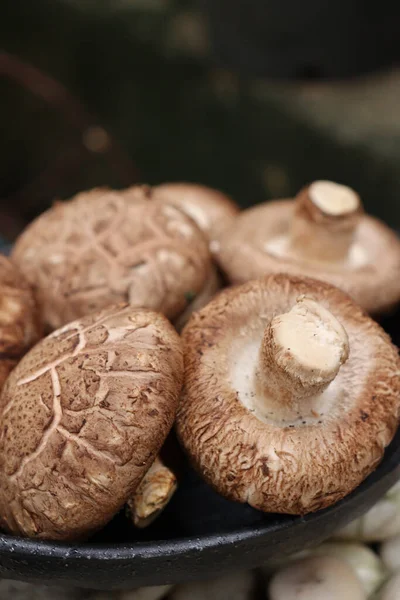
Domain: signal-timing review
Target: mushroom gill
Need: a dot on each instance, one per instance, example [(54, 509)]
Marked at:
[(322, 233), (291, 394)]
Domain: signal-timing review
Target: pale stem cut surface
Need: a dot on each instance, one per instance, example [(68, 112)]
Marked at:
[(301, 354), (333, 199)]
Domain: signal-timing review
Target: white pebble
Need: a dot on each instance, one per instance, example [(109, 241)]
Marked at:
[(237, 586), (316, 578)]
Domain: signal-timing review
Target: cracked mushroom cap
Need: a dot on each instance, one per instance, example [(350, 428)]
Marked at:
[(83, 416), (20, 326), (291, 394), (212, 210), (101, 248), (323, 234)]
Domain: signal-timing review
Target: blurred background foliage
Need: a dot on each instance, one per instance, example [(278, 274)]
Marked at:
[(113, 92)]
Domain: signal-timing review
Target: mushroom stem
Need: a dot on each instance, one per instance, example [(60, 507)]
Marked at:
[(324, 222), (153, 494), (301, 353)]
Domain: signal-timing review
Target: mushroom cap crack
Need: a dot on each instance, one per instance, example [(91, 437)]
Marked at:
[(102, 248), (83, 416)]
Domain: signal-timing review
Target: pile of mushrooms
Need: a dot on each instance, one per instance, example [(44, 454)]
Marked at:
[(324, 234), (81, 258), (271, 369)]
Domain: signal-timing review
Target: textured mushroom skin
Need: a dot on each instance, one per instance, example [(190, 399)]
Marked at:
[(212, 210), (83, 416), (212, 286), (276, 468), (245, 253), (102, 248), (20, 325)]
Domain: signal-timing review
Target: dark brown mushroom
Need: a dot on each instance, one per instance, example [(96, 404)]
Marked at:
[(20, 325), (83, 416), (291, 394), (323, 234)]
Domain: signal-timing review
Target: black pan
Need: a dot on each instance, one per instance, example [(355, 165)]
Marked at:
[(198, 535)]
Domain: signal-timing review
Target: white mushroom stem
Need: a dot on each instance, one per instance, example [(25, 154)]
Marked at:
[(301, 353), (325, 219), (153, 494)]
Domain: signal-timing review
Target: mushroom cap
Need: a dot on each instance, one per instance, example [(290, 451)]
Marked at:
[(101, 248), (296, 466), (316, 578), (83, 416), (211, 287), (212, 210), (257, 244), (20, 325)]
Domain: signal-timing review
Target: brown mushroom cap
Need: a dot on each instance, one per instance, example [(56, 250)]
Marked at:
[(20, 325), (321, 234), (101, 248), (211, 287), (276, 426), (212, 210), (84, 415)]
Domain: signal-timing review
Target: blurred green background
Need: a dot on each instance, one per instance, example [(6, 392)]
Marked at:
[(122, 91)]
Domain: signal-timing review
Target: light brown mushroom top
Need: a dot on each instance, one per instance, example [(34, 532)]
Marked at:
[(83, 416), (212, 210), (211, 287), (20, 325), (323, 234), (101, 248), (291, 394)]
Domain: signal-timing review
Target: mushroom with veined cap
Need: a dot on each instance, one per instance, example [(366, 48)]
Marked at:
[(20, 325), (291, 394), (213, 212), (83, 416), (101, 248), (323, 234)]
